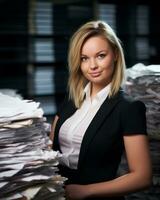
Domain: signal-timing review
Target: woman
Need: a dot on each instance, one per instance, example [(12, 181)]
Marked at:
[(97, 121)]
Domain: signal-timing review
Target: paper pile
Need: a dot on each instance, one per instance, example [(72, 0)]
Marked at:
[(28, 168), (143, 83)]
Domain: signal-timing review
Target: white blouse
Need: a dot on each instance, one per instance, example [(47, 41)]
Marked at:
[(73, 129)]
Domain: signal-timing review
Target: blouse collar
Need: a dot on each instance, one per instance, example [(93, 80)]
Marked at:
[(101, 95)]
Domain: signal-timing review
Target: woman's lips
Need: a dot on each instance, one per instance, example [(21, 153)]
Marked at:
[(95, 74)]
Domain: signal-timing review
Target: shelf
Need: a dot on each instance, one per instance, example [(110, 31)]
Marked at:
[(62, 36)]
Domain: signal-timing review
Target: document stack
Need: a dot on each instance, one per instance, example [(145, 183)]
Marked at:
[(143, 83), (28, 167)]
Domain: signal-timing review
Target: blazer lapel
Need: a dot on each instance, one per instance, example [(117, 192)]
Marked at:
[(100, 116)]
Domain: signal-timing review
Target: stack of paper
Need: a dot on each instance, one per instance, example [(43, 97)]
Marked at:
[(143, 83), (28, 168)]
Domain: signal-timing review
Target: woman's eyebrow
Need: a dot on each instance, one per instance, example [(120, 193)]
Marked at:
[(101, 51)]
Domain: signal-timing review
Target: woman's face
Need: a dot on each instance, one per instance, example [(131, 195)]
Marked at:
[(97, 61)]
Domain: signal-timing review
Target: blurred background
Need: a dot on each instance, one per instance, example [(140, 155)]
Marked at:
[(34, 36)]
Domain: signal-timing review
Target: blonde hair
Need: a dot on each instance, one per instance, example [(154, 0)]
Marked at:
[(77, 81)]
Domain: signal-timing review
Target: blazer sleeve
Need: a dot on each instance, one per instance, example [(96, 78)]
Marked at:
[(133, 118)]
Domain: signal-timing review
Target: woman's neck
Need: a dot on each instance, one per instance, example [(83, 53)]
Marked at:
[(95, 89)]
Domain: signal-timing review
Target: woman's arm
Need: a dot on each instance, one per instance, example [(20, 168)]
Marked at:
[(138, 177), (51, 135)]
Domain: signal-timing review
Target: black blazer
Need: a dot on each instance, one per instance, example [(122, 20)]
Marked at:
[(102, 144)]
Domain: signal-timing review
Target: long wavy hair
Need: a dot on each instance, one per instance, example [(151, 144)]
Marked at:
[(76, 81)]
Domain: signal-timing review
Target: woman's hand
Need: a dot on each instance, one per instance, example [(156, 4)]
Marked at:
[(76, 192)]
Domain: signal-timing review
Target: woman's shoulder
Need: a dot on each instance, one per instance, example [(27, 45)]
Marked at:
[(127, 100), (130, 104), (132, 115)]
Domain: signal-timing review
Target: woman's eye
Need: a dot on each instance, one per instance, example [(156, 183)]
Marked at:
[(83, 59), (101, 56)]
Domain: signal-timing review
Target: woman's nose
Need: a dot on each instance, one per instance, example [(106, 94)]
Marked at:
[(93, 64)]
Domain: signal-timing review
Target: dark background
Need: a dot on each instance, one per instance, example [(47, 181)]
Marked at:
[(34, 37)]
